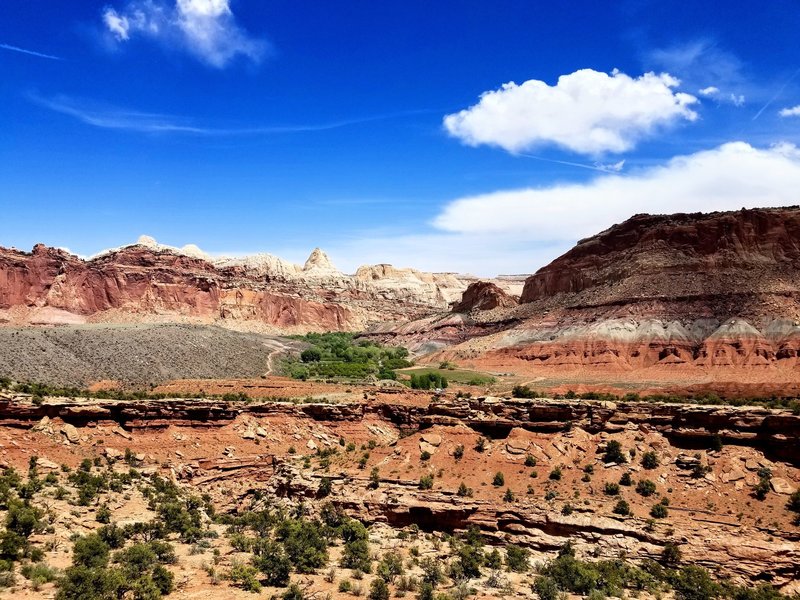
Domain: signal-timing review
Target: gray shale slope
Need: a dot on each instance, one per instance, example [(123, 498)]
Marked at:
[(139, 354)]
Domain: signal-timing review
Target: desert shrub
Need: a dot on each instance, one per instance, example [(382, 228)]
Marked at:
[(555, 474), (498, 480), (325, 487), (508, 496), (304, 543), (245, 576), (671, 555), (271, 560), (356, 555), (530, 460), (464, 491), (611, 489), (374, 478), (86, 583), (458, 452), (622, 508), (390, 567), (517, 558), (523, 391), (39, 573), (649, 460), (626, 479), (90, 551), (546, 588), (646, 488), (694, 583), (426, 482), (293, 592), (613, 453), (480, 445), (659, 511)]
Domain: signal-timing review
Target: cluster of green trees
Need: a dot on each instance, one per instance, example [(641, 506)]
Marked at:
[(606, 578), (430, 380), (332, 355)]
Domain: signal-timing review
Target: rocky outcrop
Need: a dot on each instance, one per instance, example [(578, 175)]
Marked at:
[(773, 430), (678, 257), (138, 282), (483, 295), (149, 282), (658, 297)]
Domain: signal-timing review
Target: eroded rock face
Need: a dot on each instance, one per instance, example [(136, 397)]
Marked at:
[(139, 282), (483, 295), (677, 295), (151, 282), (674, 256)]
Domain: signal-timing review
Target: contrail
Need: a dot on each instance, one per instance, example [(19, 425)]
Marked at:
[(568, 163), (778, 93), (30, 52)]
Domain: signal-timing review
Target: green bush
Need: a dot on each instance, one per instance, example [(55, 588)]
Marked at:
[(517, 558), (659, 511), (649, 460), (304, 543), (646, 488), (694, 583), (499, 479), (245, 576), (90, 551), (622, 508), (523, 391), (426, 482), (611, 489), (614, 453), (270, 559)]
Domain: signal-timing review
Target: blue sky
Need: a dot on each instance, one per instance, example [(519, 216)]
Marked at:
[(249, 126)]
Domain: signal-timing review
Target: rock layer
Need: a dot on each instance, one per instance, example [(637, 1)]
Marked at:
[(148, 282), (714, 295)]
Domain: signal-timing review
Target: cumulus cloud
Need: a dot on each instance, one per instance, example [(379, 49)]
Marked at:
[(587, 112), (709, 91), (794, 111), (724, 178), (205, 28)]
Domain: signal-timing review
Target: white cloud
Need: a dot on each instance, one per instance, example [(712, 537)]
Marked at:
[(725, 178), (736, 99), (709, 91), (587, 112), (519, 231), (794, 111), (205, 28)]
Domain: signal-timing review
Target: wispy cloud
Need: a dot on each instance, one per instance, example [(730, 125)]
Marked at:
[(207, 29), (704, 65), (109, 117), (29, 52)]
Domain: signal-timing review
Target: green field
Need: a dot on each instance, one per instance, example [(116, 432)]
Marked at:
[(462, 376)]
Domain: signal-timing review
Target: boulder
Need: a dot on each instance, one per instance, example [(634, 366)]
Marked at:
[(781, 486), (71, 433)]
